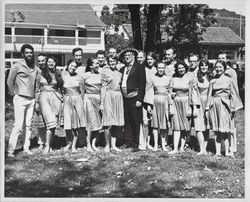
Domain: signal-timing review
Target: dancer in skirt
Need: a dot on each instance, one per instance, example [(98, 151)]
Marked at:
[(183, 97), (91, 92), (201, 124), (160, 115), (111, 103), (50, 99), (222, 103), (73, 112)]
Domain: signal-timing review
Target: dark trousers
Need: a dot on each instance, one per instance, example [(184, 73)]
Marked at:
[(133, 118)]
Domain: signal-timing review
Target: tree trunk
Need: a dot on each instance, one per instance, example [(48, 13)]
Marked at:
[(136, 25), (153, 38)]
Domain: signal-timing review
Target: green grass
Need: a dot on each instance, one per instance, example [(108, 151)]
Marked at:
[(126, 174)]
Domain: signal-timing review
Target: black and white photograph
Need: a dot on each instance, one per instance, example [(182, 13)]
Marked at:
[(123, 101)]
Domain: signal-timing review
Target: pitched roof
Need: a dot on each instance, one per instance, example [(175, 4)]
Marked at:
[(221, 35), (59, 14)]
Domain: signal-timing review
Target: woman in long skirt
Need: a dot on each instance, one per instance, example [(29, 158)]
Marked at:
[(183, 99), (111, 103), (160, 114), (50, 99), (73, 112), (222, 103), (201, 124), (91, 93)]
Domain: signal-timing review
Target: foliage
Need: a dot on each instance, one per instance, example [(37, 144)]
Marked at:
[(157, 26), (184, 24), (106, 17), (116, 41), (119, 16)]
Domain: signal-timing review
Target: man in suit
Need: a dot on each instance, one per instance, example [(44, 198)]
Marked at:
[(133, 90)]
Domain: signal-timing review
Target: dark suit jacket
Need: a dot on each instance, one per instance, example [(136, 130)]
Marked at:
[(136, 80)]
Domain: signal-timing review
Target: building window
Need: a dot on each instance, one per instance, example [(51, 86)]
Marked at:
[(94, 34), (7, 55), (60, 32), (82, 33), (7, 31), (26, 31)]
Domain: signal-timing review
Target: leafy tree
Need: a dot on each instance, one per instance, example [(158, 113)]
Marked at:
[(121, 14), (183, 26), (106, 17), (116, 41)]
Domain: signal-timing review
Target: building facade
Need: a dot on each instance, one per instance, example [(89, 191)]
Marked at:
[(54, 29)]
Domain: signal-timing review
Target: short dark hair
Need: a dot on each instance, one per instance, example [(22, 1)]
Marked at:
[(114, 58), (168, 48), (76, 49), (179, 62), (224, 52), (69, 62), (100, 52), (224, 64), (26, 46), (42, 54), (193, 54)]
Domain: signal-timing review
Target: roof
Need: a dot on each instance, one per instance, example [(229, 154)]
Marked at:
[(59, 14), (221, 35), (128, 29), (213, 35)]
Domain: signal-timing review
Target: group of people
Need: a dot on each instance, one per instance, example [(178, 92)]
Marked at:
[(132, 90)]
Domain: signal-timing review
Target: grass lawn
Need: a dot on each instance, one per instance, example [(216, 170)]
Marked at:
[(125, 174)]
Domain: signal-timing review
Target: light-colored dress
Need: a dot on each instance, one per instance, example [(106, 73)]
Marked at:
[(50, 102), (73, 111), (185, 96), (201, 122), (92, 100), (223, 100), (112, 101), (149, 91), (160, 113)]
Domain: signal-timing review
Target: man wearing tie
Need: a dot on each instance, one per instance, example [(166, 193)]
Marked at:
[(133, 90)]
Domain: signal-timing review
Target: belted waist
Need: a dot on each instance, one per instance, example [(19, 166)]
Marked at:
[(222, 96), (111, 89), (71, 93), (181, 93), (47, 90), (161, 93), (132, 93)]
